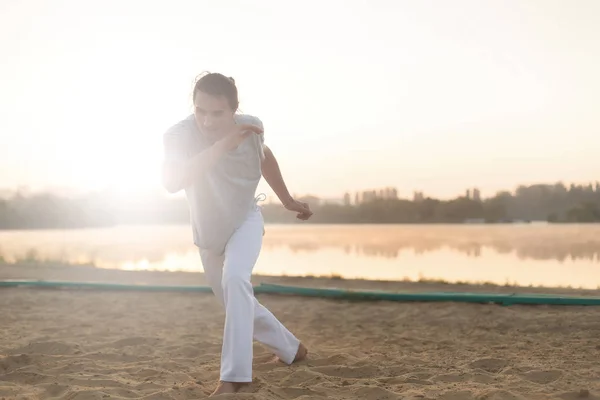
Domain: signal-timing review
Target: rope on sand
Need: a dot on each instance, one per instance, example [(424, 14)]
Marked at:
[(485, 298)]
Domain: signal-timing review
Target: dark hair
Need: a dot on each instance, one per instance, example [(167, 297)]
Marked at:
[(216, 84)]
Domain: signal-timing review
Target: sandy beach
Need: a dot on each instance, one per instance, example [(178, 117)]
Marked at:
[(82, 344)]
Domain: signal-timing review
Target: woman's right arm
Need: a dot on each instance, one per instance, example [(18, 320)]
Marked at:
[(179, 171), (178, 174)]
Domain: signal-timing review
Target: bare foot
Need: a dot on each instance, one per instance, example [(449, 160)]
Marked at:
[(228, 387), (301, 354)]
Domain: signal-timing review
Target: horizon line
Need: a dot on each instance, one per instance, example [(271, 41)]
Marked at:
[(71, 191)]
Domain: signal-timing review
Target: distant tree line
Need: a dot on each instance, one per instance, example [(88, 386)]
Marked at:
[(555, 203)]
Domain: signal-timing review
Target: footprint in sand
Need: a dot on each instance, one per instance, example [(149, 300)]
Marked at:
[(349, 372), (542, 377), (581, 394), (337, 359), (376, 393), (450, 378), (464, 377), (500, 395), (296, 392), (457, 395), (12, 363), (301, 377), (55, 390), (132, 341), (28, 378), (49, 348), (492, 365)]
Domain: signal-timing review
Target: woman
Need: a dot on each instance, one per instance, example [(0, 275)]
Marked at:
[(218, 157)]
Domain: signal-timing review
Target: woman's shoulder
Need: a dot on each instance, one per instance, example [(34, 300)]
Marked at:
[(248, 119), (181, 127), (182, 130)]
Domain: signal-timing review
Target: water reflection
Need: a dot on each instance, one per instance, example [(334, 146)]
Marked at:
[(560, 243), (588, 252), (526, 254), (546, 242)]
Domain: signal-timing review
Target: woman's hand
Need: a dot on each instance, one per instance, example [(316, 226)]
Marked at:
[(302, 209), (239, 133)]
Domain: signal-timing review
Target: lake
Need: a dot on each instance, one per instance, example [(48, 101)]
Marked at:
[(524, 254)]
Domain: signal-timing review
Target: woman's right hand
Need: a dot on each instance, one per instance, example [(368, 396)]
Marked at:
[(238, 135)]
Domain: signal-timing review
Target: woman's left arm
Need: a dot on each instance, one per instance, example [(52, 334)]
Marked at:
[(272, 174)]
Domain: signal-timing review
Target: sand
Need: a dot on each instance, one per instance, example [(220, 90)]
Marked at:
[(76, 344)]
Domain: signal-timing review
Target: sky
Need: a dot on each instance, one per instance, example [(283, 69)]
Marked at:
[(433, 96)]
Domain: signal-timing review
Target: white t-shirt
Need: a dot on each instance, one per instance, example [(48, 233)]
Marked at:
[(220, 200)]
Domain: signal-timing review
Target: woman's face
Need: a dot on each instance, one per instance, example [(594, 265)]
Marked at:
[(213, 114)]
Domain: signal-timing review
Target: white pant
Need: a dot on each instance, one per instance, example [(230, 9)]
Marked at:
[(245, 318)]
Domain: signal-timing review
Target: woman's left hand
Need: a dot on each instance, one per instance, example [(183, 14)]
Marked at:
[(302, 209)]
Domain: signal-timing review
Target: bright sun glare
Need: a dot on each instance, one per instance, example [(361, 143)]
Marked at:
[(471, 88)]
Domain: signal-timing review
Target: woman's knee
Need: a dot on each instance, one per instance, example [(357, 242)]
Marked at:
[(234, 278)]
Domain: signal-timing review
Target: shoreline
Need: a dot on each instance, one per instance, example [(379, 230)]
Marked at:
[(86, 273)]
